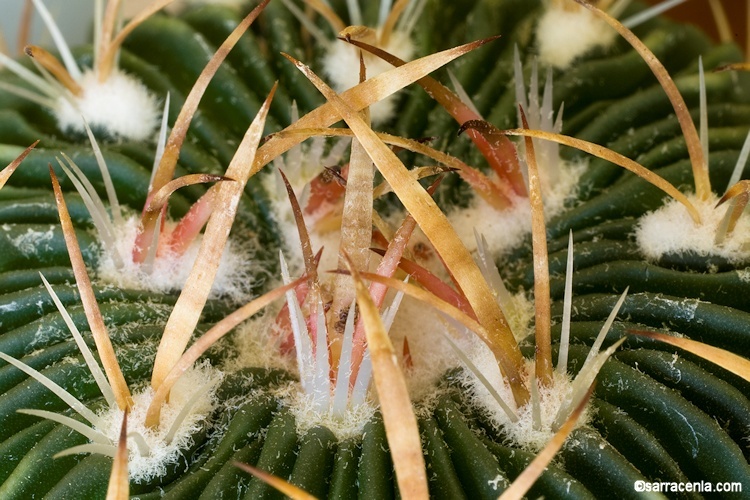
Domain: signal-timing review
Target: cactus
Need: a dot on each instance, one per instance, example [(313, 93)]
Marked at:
[(228, 356)]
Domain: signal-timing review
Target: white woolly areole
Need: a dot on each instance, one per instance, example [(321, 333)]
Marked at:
[(521, 433), (502, 230), (346, 426), (431, 357), (341, 64), (670, 230), (257, 345), (506, 230), (144, 468), (234, 278), (121, 105), (431, 354), (565, 33)]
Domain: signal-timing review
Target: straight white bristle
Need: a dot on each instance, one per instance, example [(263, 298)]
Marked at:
[(581, 385), (107, 450), (385, 9), (161, 142), (58, 91), (536, 404), (302, 342), (411, 16), (96, 371), (98, 23), (490, 272), (562, 356), (79, 427), (591, 366), (185, 410), (723, 227), (518, 81), (703, 109), (533, 110), (618, 8), (741, 162), (355, 14), (546, 112), (108, 185), (389, 315), (341, 391), (461, 93), (650, 13), (144, 449), (29, 76), (24, 93), (541, 116), (322, 367), (305, 21), (605, 329), (60, 392), (60, 43), (148, 263), (94, 204), (362, 383), (480, 376)]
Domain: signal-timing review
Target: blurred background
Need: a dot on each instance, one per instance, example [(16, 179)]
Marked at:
[(74, 18), (699, 12), (67, 13)]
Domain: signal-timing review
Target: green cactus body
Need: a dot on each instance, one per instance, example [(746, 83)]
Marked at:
[(657, 414)]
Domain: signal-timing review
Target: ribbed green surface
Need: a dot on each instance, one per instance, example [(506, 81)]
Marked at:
[(657, 417)]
